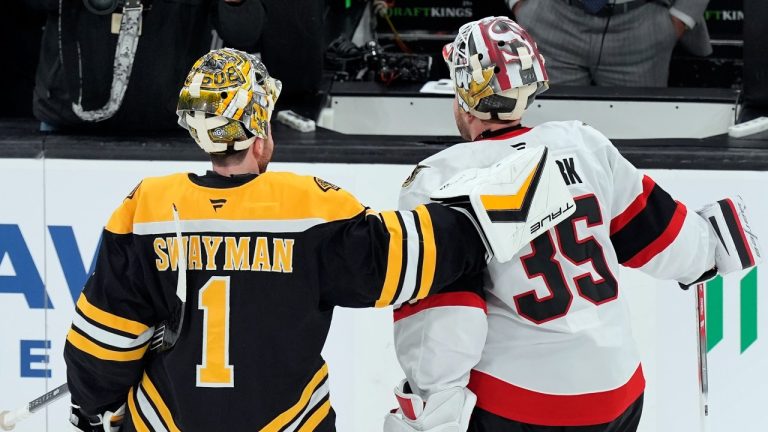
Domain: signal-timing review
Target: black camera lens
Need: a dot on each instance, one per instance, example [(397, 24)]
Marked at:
[(101, 7)]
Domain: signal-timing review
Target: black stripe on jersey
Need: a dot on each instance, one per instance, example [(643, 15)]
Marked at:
[(646, 226), (733, 228), (105, 327), (462, 201), (420, 265), (312, 411), (104, 345), (404, 263)]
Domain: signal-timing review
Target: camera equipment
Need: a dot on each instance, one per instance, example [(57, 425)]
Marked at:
[(389, 67), (372, 63)]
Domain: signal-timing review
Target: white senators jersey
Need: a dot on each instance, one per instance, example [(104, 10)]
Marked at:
[(559, 349)]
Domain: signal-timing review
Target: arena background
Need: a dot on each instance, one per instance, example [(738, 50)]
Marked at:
[(57, 191)]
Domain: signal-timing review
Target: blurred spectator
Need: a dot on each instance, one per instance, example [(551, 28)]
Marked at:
[(20, 34), (292, 43), (76, 67), (613, 42)]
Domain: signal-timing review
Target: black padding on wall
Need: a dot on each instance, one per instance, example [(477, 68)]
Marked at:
[(755, 53)]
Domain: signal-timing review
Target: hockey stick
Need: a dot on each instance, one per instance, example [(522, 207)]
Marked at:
[(167, 332), (701, 323), (8, 419), (163, 338)]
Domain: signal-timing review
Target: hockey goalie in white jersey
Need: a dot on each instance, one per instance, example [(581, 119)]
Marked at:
[(548, 344)]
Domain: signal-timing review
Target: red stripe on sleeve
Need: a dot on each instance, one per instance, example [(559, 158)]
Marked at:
[(663, 241), (466, 299), (634, 208), (741, 231)]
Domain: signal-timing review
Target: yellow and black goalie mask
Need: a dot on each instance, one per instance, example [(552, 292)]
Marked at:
[(227, 100)]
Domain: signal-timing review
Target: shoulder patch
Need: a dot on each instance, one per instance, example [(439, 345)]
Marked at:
[(413, 175), (133, 192), (324, 185)]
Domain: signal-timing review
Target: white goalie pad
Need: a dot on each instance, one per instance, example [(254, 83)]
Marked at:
[(737, 245), (513, 201), (445, 411)]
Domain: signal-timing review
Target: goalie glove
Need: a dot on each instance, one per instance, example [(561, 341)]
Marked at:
[(445, 411), (511, 202), (107, 422), (737, 245)]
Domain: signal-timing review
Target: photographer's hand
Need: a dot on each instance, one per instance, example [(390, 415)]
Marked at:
[(680, 26)]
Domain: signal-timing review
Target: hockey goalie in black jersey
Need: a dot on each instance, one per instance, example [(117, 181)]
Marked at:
[(243, 269)]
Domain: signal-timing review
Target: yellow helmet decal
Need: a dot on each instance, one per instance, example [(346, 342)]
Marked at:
[(477, 89)]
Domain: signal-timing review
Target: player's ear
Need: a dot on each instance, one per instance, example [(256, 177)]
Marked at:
[(257, 148), (469, 119)]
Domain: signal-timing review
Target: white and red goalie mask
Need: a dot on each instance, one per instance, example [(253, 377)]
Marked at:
[(496, 68)]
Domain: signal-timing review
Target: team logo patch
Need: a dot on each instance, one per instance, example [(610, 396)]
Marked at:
[(133, 192), (325, 186), (413, 175)]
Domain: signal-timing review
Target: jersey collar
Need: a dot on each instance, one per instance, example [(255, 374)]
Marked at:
[(503, 133), (213, 179)]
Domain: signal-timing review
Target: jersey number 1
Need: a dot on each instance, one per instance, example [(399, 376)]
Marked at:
[(215, 370)]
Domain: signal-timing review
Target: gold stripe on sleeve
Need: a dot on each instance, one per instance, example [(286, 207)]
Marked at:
[(159, 403), (394, 259), (316, 417), (138, 422), (283, 419), (110, 320), (429, 254)]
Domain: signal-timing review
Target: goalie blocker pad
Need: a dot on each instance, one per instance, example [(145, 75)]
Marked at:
[(737, 245), (445, 411), (513, 201)]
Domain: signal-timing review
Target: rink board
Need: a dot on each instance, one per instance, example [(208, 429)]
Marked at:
[(52, 211)]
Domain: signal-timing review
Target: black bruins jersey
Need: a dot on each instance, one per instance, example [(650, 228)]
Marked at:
[(267, 259)]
